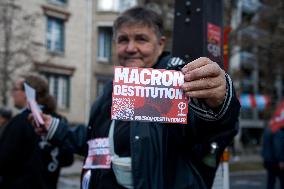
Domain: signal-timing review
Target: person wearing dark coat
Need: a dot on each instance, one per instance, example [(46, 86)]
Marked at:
[(153, 155), (5, 116), (273, 156), (27, 160)]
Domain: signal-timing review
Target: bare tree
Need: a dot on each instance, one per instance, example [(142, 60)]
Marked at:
[(261, 41), (17, 49), (269, 21)]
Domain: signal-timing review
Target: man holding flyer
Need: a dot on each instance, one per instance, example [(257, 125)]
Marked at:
[(29, 161), (153, 153)]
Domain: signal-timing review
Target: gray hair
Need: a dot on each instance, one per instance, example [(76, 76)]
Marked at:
[(140, 15)]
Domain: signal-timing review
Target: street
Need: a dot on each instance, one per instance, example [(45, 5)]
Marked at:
[(69, 183), (238, 180), (245, 180), (70, 176)]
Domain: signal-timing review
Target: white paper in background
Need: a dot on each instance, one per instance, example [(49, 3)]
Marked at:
[(36, 112)]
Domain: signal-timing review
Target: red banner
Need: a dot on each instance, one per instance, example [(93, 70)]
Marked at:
[(146, 94), (277, 120), (227, 31), (214, 40)]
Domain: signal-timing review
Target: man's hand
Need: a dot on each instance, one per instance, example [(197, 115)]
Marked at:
[(205, 79), (42, 130)]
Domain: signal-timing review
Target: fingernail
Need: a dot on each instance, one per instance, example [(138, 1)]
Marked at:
[(184, 69)]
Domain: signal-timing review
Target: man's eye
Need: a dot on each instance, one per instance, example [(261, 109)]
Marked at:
[(142, 39), (122, 40)]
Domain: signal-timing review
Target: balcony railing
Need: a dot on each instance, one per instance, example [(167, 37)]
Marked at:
[(250, 6)]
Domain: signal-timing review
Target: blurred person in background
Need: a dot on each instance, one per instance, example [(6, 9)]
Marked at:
[(54, 157), (273, 156), (5, 116), (28, 161)]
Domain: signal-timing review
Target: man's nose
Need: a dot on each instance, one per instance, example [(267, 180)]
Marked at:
[(131, 47)]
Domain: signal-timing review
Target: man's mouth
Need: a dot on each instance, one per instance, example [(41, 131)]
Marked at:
[(132, 58)]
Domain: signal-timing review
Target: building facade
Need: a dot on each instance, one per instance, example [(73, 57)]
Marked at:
[(74, 48), (104, 13), (255, 62), (62, 37)]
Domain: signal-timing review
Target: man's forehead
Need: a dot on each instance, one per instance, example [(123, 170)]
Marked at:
[(135, 30), (139, 28)]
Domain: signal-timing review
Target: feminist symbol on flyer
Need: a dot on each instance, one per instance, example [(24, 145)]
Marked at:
[(181, 107), (146, 94)]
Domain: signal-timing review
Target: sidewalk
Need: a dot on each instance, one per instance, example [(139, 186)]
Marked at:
[(246, 163), (74, 169), (70, 176), (248, 157), (241, 162)]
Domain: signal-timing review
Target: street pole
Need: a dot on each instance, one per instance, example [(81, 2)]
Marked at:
[(198, 30), (279, 85), (256, 80)]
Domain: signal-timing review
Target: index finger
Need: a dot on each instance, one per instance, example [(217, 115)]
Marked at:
[(202, 61)]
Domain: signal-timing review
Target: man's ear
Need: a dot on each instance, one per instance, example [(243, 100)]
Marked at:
[(162, 43)]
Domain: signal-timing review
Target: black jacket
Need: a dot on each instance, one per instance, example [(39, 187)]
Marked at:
[(25, 159), (164, 156)]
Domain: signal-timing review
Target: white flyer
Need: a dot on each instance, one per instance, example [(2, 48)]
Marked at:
[(36, 112)]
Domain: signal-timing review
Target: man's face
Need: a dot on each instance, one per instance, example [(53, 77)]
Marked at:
[(2, 121), (138, 46), (19, 95)]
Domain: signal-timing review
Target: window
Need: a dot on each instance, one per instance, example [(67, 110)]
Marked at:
[(59, 87), (61, 2), (125, 4), (115, 5), (107, 5), (104, 44), (55, 34), (101, 83)]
